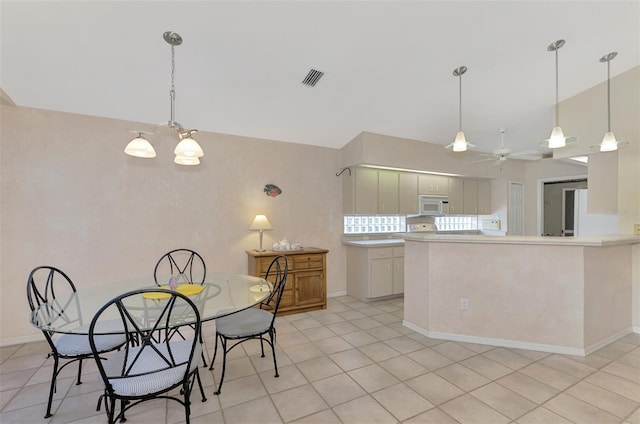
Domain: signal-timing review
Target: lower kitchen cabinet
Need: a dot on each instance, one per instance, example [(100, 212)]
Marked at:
[(306, 288), (375, 272)]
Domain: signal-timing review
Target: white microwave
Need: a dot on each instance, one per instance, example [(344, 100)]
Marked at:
[(433, 205)]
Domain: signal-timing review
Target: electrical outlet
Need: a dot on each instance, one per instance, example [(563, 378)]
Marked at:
[(636, 229), (464, 303)]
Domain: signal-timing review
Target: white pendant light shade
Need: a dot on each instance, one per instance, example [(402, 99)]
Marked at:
[(186, 160), (460, 143), (557, 138), (140, 148), (609, 142), (188, 147)]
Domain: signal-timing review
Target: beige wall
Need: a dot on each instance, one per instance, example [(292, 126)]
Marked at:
[(71, 198)]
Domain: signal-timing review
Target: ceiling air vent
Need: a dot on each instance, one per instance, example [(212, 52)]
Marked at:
[(312, 77)]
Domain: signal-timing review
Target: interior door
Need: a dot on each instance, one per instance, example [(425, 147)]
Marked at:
[(568, 202)]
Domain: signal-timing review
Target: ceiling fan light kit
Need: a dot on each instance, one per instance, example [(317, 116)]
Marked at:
[(609, 142), (188, 151)]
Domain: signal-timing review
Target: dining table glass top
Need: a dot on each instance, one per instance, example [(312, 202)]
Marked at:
[(221, 294)]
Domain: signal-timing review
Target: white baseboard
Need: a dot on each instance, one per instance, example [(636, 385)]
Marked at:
[(337, 293), (21, 340), (565, 350)]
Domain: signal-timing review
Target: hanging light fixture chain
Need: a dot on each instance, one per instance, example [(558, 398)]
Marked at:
[(172, 91), (460, 103), (557, 97), (609, 95)]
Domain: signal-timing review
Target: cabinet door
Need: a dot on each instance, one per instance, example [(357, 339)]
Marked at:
[(398, 276), (484, 197), (407, 193), (387, 192), (456, 195), (381, 277), (470, 197), (433, 184), (309, 287), (366, 191)]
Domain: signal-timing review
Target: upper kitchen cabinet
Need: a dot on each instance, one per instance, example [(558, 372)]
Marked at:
[(360, 191), (436, 185), (407, 193), (456, 195), (387, 192), (470, 197)]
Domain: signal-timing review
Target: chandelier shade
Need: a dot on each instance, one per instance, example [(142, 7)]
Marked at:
[(140, 148)]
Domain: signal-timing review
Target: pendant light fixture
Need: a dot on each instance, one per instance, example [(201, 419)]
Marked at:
[(460, 144), (188, 151), (557, 139), (609, 142)]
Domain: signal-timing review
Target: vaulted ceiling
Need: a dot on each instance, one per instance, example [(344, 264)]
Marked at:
[(388, 64)]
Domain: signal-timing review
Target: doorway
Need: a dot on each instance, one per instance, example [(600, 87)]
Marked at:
[(556, 205), (515, 220)]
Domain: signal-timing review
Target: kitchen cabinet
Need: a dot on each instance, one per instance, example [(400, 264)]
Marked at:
[(435, 185), (306, 287), (470, 197), (375, 272), (484, 197), (407, 193), (456, 195), (360, 191), (387, 192)]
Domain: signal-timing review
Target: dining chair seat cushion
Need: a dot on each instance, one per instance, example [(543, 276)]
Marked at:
[(150, 372), (244, 323), (78, 344)]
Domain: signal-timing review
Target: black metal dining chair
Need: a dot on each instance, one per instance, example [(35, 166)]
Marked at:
[(46, 288), (152, 366), (186, 265), (253, 323)]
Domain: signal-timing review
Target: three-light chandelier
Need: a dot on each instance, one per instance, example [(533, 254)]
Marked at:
[(188, 151)]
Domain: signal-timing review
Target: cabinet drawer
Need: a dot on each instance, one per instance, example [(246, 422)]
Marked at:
[(262, 266), (306, 261), (398, 252), (380, 252)]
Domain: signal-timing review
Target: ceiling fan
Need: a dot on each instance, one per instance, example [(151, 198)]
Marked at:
[(500, 156)]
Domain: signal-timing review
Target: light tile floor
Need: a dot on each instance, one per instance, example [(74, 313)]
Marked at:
[(355, 363)]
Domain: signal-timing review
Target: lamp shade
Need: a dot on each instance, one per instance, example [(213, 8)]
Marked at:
[(187, 160), (609, 142), (140, 147), (260, 222), (557, 138), (460, 143), (188, 147)]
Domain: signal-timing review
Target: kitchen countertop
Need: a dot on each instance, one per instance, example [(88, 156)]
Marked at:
[(607, 240), (376, 243)]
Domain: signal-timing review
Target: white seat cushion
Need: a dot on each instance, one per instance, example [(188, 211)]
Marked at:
[(150, 372), (78, 344), (244, 323)]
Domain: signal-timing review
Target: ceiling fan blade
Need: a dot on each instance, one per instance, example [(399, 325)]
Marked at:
[(538, 157), (499, 162), (526, 153), (483, 160)]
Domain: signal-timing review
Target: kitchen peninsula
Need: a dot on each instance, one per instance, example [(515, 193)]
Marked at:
[(564, 295)]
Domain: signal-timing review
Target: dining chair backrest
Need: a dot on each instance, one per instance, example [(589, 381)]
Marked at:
[(185, 264), (50, 296), (277, 275)]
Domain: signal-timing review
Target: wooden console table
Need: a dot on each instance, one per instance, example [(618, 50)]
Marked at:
[(306, 288)]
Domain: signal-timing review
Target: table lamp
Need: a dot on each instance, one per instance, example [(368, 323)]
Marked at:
[(261, 223)]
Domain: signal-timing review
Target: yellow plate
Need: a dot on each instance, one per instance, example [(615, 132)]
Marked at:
[(186, 289)]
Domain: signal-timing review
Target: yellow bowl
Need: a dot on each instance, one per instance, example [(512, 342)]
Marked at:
[(186, 289)]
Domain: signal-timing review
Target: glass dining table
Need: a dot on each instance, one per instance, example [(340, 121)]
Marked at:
[(221, 294)]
